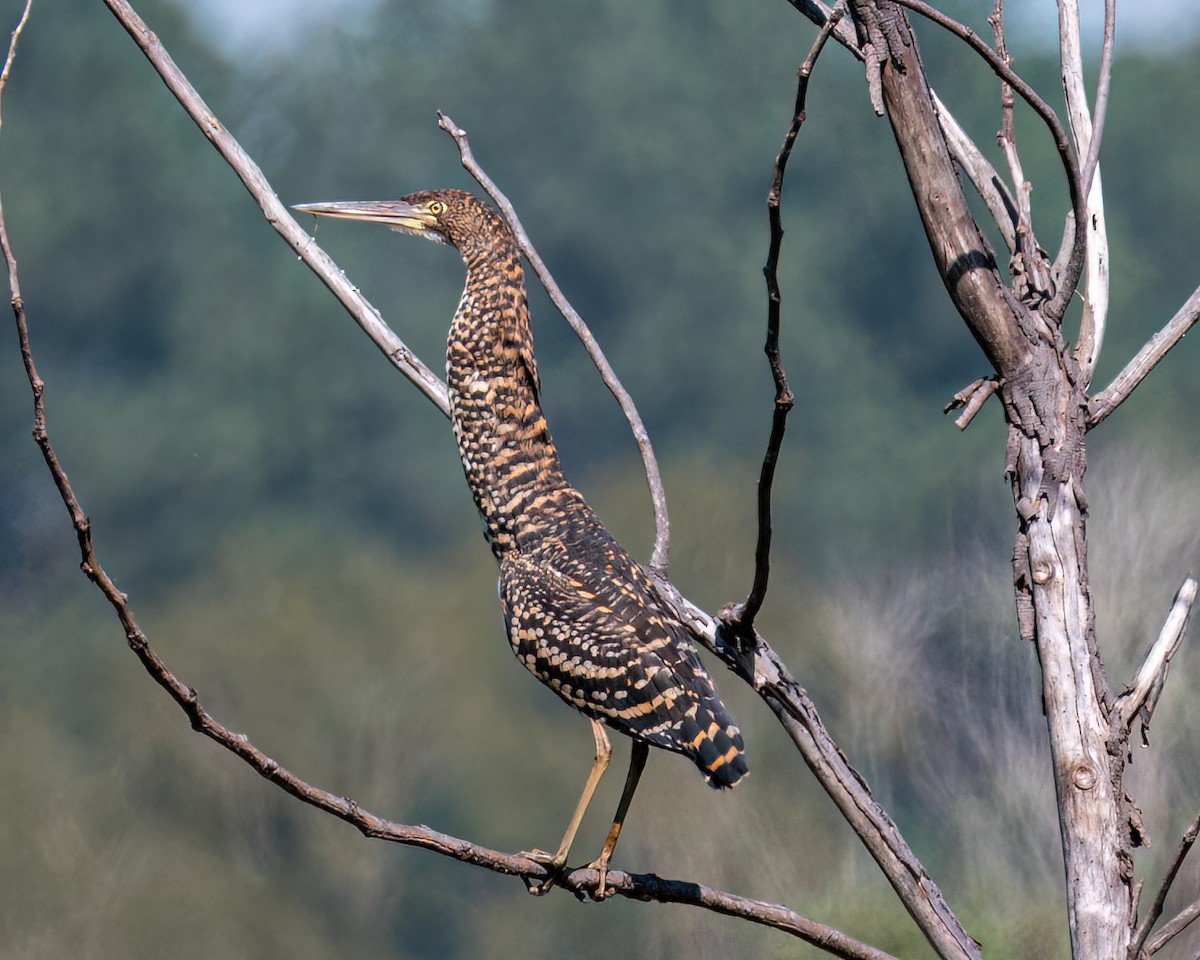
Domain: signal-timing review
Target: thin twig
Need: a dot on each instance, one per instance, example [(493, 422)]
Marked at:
[(12, 48), (1073, 268), (660, 559), (1125, 382), (1142, 934), (1031, 275), (784, 399), (277, 214)]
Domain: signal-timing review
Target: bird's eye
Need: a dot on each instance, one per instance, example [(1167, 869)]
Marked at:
[(436, 207)]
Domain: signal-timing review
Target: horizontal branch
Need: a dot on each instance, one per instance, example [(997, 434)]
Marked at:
[(1125, 382)]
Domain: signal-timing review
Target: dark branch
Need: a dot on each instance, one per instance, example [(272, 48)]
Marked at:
[(820, 14), (1142, 934), (660, 559), (783, 394)]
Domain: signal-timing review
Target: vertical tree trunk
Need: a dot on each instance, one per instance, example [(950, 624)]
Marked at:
[(1045, 408)]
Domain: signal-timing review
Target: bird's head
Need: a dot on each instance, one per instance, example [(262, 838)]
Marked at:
[(445, 216)]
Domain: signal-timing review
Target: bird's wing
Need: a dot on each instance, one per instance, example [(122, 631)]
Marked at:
[(604, 645)]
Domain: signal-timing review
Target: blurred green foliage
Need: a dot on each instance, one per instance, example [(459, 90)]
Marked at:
[(289, 519)]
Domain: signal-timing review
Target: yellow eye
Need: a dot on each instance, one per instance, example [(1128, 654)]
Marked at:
[(436, 207)]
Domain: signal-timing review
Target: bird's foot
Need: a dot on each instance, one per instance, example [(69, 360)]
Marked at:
[(603, 891), (553, 862)]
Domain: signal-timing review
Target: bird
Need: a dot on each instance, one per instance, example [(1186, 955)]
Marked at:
[(581, 614)]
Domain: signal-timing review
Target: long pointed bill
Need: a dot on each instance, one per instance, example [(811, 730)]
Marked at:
[(396, 214)]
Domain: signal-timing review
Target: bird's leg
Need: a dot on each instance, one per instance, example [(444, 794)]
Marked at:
[(558, 860), (637, 763)]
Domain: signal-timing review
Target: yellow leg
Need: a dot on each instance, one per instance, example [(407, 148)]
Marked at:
[(558, 860), (637, 763)]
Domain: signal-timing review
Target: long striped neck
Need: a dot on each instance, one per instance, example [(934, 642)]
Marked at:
[(508, 455)]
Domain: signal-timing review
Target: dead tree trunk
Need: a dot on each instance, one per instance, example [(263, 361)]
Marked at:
[(1043, 388)]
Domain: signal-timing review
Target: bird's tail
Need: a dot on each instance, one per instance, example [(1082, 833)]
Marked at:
[(715, 743)]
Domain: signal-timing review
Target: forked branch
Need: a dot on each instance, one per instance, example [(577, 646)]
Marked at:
[(1141, 938)]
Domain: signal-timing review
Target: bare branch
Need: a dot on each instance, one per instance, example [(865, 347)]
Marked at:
[(1074, 267), (1031, 275), (783, 394), (277, 214), (1125, 382), (1173, 928), (981, 173), (660, 559), (1143, 694), (752, 658), (962, 253), (12, 47), (1142, 934), (1103, 85), (970, 399), (820, 14), (1087, 144)]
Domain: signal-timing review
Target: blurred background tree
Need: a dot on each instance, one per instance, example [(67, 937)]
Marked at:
[(290, 516)]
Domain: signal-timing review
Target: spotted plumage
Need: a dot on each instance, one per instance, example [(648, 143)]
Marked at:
[(581, 614)]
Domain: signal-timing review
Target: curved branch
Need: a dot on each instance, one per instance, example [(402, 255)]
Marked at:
[(660, 559), (784, 399), (753, 660), (582, 882)]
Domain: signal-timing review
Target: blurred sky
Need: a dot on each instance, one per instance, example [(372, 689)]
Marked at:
[(280, 26)]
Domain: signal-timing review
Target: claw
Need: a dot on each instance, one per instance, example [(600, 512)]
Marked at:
[(553, 863), (603, 892)]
